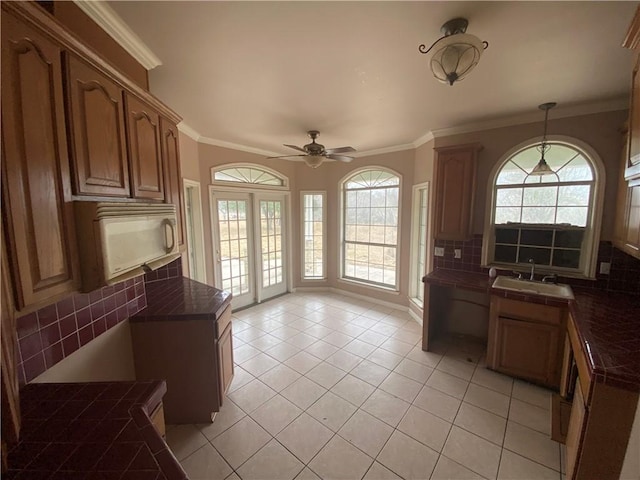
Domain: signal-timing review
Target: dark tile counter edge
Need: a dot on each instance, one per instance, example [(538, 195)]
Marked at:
[(479, 282), (165, 311)]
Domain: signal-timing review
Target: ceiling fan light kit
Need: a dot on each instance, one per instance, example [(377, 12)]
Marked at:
[(455, 54), (314, 153)]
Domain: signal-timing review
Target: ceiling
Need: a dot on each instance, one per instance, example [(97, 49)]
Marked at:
[(259, 74)]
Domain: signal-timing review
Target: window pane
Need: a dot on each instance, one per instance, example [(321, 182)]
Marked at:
[(577, 195), (542, 256), (507, 214), (505, 254), (539, 196), (536, 237), (538, 215), (511, 174), (507, 235), (313, 236), (509, 197), (566, 258), (569, 238), (573, 216)]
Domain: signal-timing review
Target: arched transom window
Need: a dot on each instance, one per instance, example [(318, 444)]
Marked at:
[(370, 227), (549, 218), (255, 175)]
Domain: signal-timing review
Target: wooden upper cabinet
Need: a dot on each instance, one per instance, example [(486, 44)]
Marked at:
[(632, 41), (96, 120), (145, 157), (173, 176), (455, 174), (35, 178)]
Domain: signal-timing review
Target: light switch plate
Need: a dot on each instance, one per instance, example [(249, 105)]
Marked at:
[(605, 268), (457, 253), (438, 251)]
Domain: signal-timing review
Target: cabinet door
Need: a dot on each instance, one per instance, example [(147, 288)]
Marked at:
[(632, 239), (528, 350), (35, 180), (173, 177), (634, 118), (145, 157), (96, 118), (575, 431), (455, 189), (225, 356)]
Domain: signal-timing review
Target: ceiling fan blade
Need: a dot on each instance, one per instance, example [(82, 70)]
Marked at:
[(340, 158), (331, 151), (296, 148), (288, 156)]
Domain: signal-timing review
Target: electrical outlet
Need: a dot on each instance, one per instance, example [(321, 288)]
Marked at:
[(457, 253), (605, 268), (438, 251)]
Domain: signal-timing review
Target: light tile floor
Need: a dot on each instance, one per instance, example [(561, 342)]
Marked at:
[(335, 388)]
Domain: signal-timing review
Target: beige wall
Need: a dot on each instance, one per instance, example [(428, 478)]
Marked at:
[(601, 131), (189, 161), (106, 358)]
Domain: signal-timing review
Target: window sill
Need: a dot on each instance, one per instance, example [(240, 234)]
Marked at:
[(376, 288)]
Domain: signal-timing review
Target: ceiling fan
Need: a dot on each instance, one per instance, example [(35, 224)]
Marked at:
[(315, 153)]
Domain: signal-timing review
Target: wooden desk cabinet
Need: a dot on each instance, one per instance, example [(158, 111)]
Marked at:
[(195, 357)]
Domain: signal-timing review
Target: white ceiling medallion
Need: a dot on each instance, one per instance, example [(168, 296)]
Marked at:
[(101, 13)]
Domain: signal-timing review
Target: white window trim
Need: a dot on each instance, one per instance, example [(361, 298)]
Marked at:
[(324, 235), (341, 278), (198, 241), (414, 283), (594, 223), (226, 166)]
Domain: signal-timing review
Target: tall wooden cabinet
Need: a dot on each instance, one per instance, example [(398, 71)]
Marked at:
[(455, 178), (173, 176), (36, 189), (145, 156), (97, 125), (627, 236)]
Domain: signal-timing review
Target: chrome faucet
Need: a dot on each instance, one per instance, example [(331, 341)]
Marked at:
[(550, 278), (533, 269)]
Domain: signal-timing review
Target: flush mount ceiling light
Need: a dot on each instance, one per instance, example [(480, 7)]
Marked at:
[(456, 53), (542, 168)]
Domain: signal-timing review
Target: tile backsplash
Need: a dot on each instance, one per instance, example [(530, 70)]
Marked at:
[(54, 332), (624, 275)]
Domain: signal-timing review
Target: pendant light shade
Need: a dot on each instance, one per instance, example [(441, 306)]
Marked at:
[(454, 55), (542, 168)]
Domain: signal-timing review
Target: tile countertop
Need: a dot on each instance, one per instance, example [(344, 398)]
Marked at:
[(182, 297), (91, 431), (608, 324)]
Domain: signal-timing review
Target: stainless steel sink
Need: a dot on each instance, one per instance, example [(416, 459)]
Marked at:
[(537, 288)]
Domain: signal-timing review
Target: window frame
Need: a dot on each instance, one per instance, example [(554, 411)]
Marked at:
[(323, 193), (415, 276), (341, 231), (589, 253), (253, 166)]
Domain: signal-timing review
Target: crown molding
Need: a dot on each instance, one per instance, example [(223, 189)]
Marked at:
[(621, 103), (236, 146), (188, 131), (101, 13), (427, 137), (382, 151)]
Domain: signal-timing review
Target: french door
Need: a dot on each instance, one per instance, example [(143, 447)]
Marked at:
[(249, 246)]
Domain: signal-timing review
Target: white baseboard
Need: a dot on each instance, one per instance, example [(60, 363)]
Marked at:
[(415, 316), (395, 306)]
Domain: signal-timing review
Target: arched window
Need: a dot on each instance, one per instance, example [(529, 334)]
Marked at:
[(550, 219), (247, 173), (371, 212)]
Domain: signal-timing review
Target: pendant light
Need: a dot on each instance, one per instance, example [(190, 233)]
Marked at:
[(542, 168), (456, 53)]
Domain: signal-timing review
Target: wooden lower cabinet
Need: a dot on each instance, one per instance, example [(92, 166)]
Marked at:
[(157, 419), (600, 421), (225, 359), (525, 340), (187, 353)]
